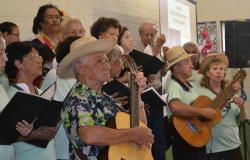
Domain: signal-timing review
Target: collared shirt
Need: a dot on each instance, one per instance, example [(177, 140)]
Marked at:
[(178, 91), (195, 78), (84, 107)]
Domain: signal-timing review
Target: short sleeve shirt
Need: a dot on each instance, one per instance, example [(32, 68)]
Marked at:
[(225, 134), (178, 91), (84, 107)]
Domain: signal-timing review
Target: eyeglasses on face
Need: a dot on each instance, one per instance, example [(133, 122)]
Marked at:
[(34, 55)]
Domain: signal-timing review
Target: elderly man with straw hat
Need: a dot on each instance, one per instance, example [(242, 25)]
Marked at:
[(181, 93), (87, 109)]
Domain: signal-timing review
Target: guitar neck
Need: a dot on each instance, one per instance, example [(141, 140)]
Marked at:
[(223, 96), (134, 102)]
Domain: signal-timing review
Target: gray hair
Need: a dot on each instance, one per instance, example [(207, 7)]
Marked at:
[(67, 22), (115, 53)]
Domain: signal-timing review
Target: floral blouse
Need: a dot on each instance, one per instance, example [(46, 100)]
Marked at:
[(84, 107)]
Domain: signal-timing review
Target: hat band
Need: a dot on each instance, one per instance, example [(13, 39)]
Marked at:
[(176, 57)]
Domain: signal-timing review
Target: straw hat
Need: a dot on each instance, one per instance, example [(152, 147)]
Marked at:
[(175, 55), (79, 48), (212, 57)]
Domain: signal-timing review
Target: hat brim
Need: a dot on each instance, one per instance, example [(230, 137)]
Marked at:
[(183, 57), (211, 58), (65, 68)]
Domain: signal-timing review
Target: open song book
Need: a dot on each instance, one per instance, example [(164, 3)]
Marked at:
[(24, 106), (150, 64), (153, 98)]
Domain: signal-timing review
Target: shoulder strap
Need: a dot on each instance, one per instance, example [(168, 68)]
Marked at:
[(17, 87)]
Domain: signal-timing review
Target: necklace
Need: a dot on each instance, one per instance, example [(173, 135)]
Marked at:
[(48, 41)]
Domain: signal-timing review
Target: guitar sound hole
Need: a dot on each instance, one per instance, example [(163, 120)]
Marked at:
[(202, 119)]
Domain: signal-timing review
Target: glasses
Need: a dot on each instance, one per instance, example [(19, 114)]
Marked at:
[(34, 56)]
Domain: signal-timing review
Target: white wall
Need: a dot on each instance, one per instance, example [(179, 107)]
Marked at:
[(130, 12), (217, 10)]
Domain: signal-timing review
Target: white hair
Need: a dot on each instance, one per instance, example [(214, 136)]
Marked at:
[(115, 53)]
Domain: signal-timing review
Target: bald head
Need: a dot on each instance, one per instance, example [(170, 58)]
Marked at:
[(147, 32), (147, 24)]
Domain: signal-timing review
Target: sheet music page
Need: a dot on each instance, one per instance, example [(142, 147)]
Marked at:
[(162, 97)]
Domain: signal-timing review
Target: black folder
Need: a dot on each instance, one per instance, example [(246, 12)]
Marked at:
[(116, 86), (27, 107), (152, 98), (150, 64)]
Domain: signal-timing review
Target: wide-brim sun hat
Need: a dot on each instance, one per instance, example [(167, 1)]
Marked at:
[(175, 55), (213, 57), (80, 48)]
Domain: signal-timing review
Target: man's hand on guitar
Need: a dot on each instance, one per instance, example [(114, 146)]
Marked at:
[(143, 136), (208, 113)]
